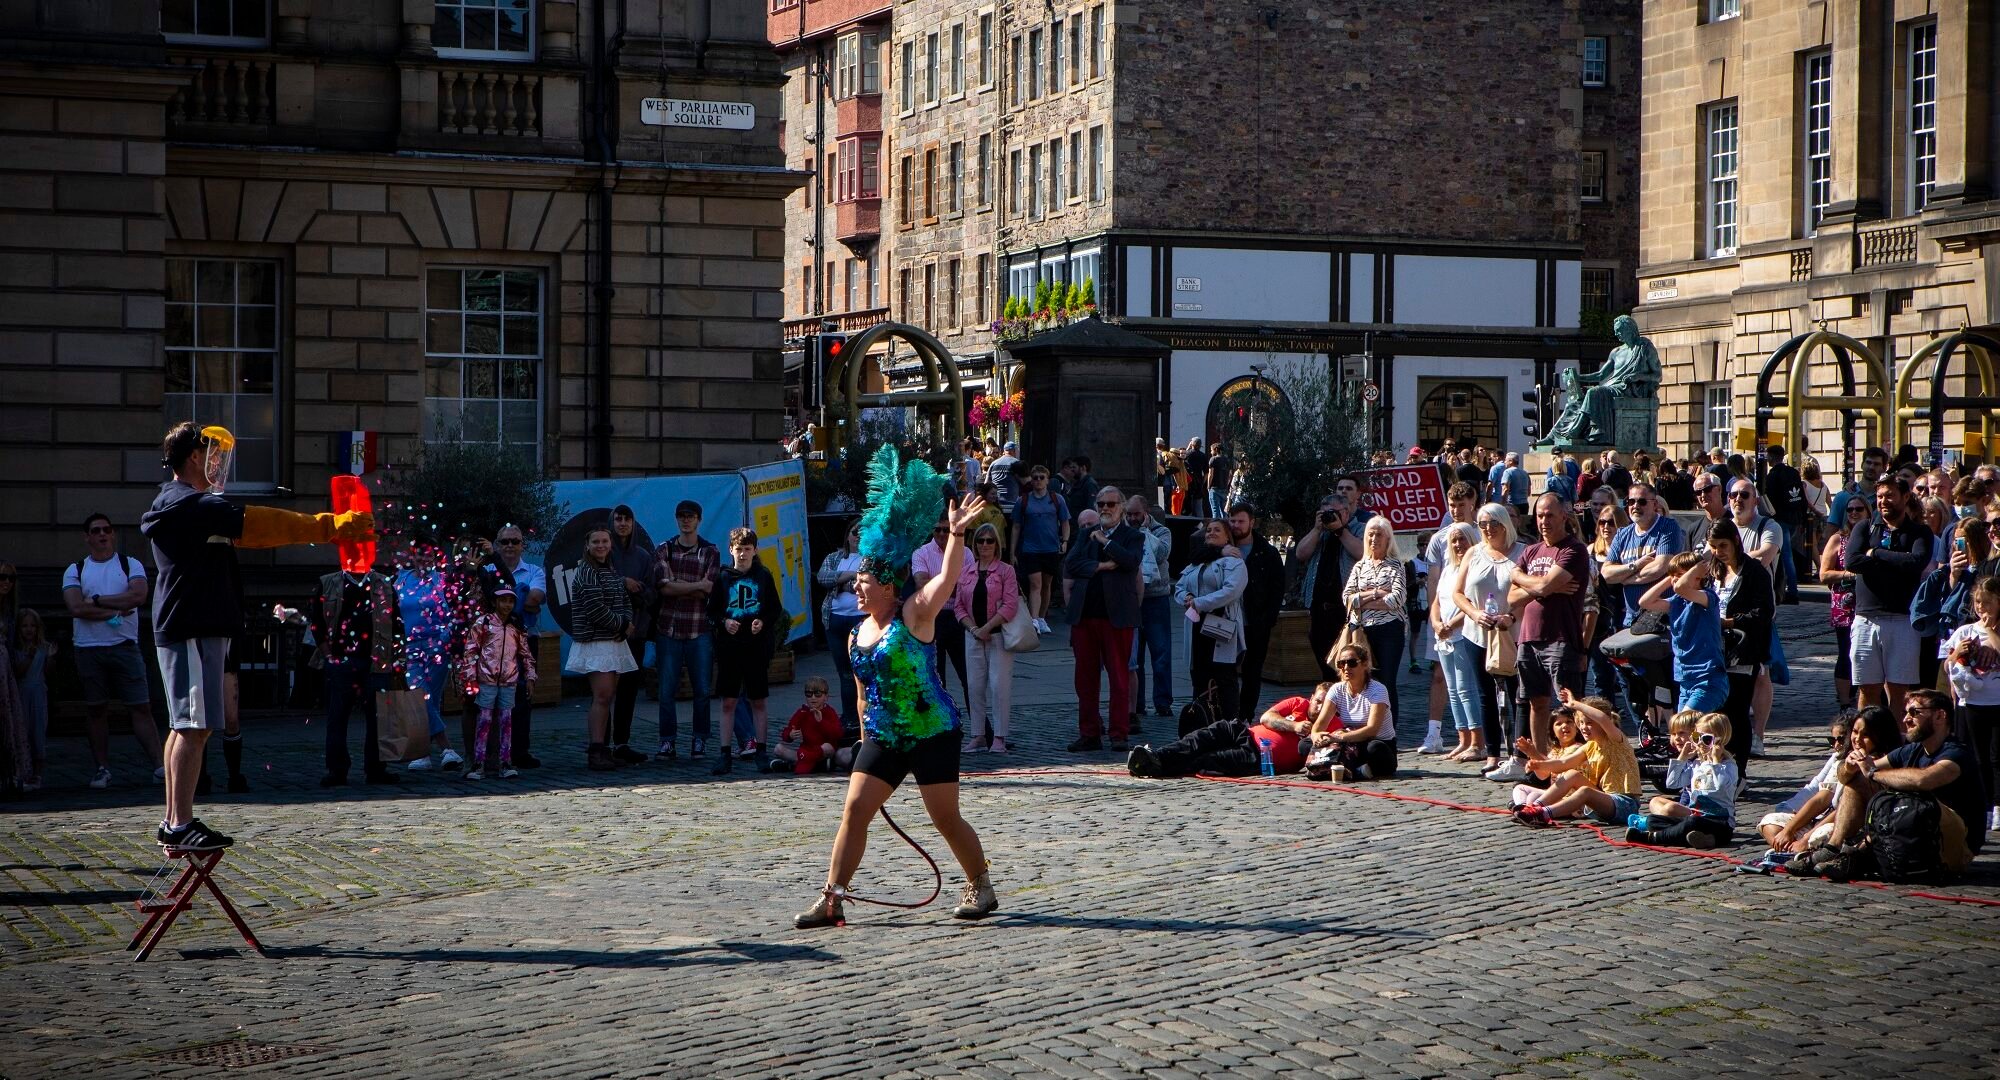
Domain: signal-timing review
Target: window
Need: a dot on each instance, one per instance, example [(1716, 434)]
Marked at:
[(222, 356), (1055, 175), (930, 69), (847, 169), (1818, 146), (857, 65), (1016, 71), (1097, 163), (1058, 74), (1923, 114), (853, 274), (1076, 50), (829, 189), (483, 353), (1021, 280), (1014, 183), (1590, 178), (871, 63), (954, 178), (981, 268), (1083, 267), (930, 283), (908, 76), (930, 183), (985, 170), (1055, 269), (903, 292), (951, 293), (221, 22), (1720, 201), (1075, 162), (1034, 64), (905, 183), (1720, 414), (1595, 61), (871, 168), (1719, 10), (807, 285), (1035, 180), (874, 281), (1097, 58), (1596, 291), (497, 29), (954, 70), (988, 49)]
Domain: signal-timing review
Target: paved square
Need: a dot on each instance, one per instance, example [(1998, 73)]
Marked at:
[(638, 924)]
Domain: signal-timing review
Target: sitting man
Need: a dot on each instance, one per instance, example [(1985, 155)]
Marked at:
[(1805, 820), (1606, 780), (1929, 761), (1231, 747)]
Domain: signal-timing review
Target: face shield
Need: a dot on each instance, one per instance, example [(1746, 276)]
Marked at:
[(221, 455)]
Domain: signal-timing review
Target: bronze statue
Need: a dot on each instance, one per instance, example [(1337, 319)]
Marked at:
[(1631, 374)]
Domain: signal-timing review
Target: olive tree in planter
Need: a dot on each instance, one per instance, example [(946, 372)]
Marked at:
[(467, 490), (1295, 432)]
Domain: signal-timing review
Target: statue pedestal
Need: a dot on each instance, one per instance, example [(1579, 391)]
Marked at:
[(1635, 429), (1092, 389)]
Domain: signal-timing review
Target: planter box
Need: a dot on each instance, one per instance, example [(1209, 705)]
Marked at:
[(1291, 661)]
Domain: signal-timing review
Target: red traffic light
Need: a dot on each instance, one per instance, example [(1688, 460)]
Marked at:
[(833, 347)]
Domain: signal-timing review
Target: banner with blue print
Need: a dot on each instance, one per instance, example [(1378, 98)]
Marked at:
[(775, 505)]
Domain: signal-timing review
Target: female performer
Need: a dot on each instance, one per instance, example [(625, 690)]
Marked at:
[(909, 723)]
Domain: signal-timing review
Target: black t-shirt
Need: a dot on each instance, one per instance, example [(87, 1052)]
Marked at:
[(1472, 474), (1964, 795), (1676, 491), (1787, 491), (1197, 467), (1618, 479), (1220, 467), (198, 591)]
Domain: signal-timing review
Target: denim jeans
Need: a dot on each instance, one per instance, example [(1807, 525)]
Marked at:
[(428, 674), (1155, 635), (1218, 499), (1610, 684), (696, 656), (1461, 685), (349, 684), (838, 629)]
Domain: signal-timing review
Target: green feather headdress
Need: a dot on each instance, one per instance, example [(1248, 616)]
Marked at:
[(904, 502)]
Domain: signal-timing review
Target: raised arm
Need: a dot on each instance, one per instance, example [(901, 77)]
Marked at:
[(920, 610)]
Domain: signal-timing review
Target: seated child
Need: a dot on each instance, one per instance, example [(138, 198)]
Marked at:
[(1704, 774), (811, 739), (1607, 785), (1559, 767), (1805, 820)]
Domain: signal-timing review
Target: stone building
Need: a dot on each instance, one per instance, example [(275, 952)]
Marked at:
[(1812, 164), (1429, 199), (421, 221)]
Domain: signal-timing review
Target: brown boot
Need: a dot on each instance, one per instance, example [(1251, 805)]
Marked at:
[(826, 911)]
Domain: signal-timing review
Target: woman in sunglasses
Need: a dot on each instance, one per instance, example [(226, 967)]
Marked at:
[(986, 598), (1365, 743)]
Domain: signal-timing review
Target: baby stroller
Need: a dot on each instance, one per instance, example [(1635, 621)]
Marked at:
[(1645, 660)]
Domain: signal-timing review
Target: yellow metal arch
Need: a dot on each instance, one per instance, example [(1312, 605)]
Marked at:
[(1907, 409), (1878, 399)]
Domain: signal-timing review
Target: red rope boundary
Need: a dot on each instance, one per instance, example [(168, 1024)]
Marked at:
[(1314, 785)]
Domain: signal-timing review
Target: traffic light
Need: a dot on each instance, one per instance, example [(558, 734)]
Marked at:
[(823, 355), (1533, 414)]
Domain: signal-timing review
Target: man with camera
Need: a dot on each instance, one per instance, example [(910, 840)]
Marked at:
[(1329, 550)]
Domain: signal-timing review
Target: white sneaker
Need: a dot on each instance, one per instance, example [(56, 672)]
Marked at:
[(1042, 627), (509, 772), (101, 779), (476, 774), (1510, 771), (451, 760), (160, 775), (1756, 746), (1433, 742), (422, 764), (1993, 820)]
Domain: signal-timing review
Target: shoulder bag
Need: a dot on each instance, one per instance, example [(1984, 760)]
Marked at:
[(1018, 634)]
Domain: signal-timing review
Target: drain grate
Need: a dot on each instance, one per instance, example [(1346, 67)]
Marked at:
[(235, 1053)]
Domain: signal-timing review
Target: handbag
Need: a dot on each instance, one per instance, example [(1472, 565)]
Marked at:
[(1018, 634), (402, 725), (1218, 626), (1502, 659), (1351, 634)]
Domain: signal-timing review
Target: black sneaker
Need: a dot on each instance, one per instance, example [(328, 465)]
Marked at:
[(625, 755), (1119, 746), (525, 760), (724, 764), (1142, 763), (194, 836), (1164, 712), (1086, 744), (698, 747)]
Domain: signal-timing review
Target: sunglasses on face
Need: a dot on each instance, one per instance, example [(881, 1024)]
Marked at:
[(1637, 502), (1742, 494), (1107, 506), (95, 530), (1857, 509), (1347, 662), (509, 541), (7, 577), (986, 540)]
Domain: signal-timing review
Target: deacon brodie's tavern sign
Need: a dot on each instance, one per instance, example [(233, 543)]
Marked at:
[(679, 112)]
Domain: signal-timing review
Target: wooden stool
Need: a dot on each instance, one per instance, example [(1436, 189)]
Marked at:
[(162, 909)]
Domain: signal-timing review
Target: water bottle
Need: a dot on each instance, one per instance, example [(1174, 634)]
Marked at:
[(1264, 763)]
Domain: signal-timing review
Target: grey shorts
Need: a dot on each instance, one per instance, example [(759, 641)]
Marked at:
[(113, 673), (192, 672), (1883, 649), (1546, 665)]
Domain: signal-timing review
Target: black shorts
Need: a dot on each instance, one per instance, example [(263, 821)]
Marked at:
[(932, 760), (743, 670), (1042, 562)]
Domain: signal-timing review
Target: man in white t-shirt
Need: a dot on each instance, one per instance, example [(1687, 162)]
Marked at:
[(104, 592)]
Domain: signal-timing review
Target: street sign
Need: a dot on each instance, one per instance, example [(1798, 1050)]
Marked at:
[(1371, 392), (1410, 496), (678, 112)]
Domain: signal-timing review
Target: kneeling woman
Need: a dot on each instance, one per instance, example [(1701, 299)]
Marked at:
[(1364, 745), (909, 723)]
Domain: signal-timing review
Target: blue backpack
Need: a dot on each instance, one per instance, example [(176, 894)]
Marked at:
[(1938, 607)]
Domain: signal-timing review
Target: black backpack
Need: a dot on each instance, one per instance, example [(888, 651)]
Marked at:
[(1902, 831)]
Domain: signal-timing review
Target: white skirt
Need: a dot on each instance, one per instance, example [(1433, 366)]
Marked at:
[(586, 657)]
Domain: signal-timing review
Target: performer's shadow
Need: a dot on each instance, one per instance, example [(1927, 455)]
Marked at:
[(719, 954)]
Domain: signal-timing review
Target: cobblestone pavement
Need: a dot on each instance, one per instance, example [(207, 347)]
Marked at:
[(638, 924)]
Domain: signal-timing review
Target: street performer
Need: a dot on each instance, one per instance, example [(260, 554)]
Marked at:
[(909, 723), (198, 607)]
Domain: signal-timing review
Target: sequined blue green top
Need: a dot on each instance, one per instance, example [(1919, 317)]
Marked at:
[(906, 698)]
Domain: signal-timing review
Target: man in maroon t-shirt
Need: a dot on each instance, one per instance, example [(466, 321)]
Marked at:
[(1232, 747), (1552, 576)]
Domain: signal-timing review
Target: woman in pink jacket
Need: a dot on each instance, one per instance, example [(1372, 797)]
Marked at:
[(496, 656), (987, 597)]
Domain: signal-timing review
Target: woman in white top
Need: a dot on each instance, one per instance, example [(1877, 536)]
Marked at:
[(1972, 663), (1375, 596), (1461, 679), (1483, 582), (841, 615), (1365, 742), (1210, 591)]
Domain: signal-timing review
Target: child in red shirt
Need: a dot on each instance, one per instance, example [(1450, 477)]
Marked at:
[(811, 739)]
